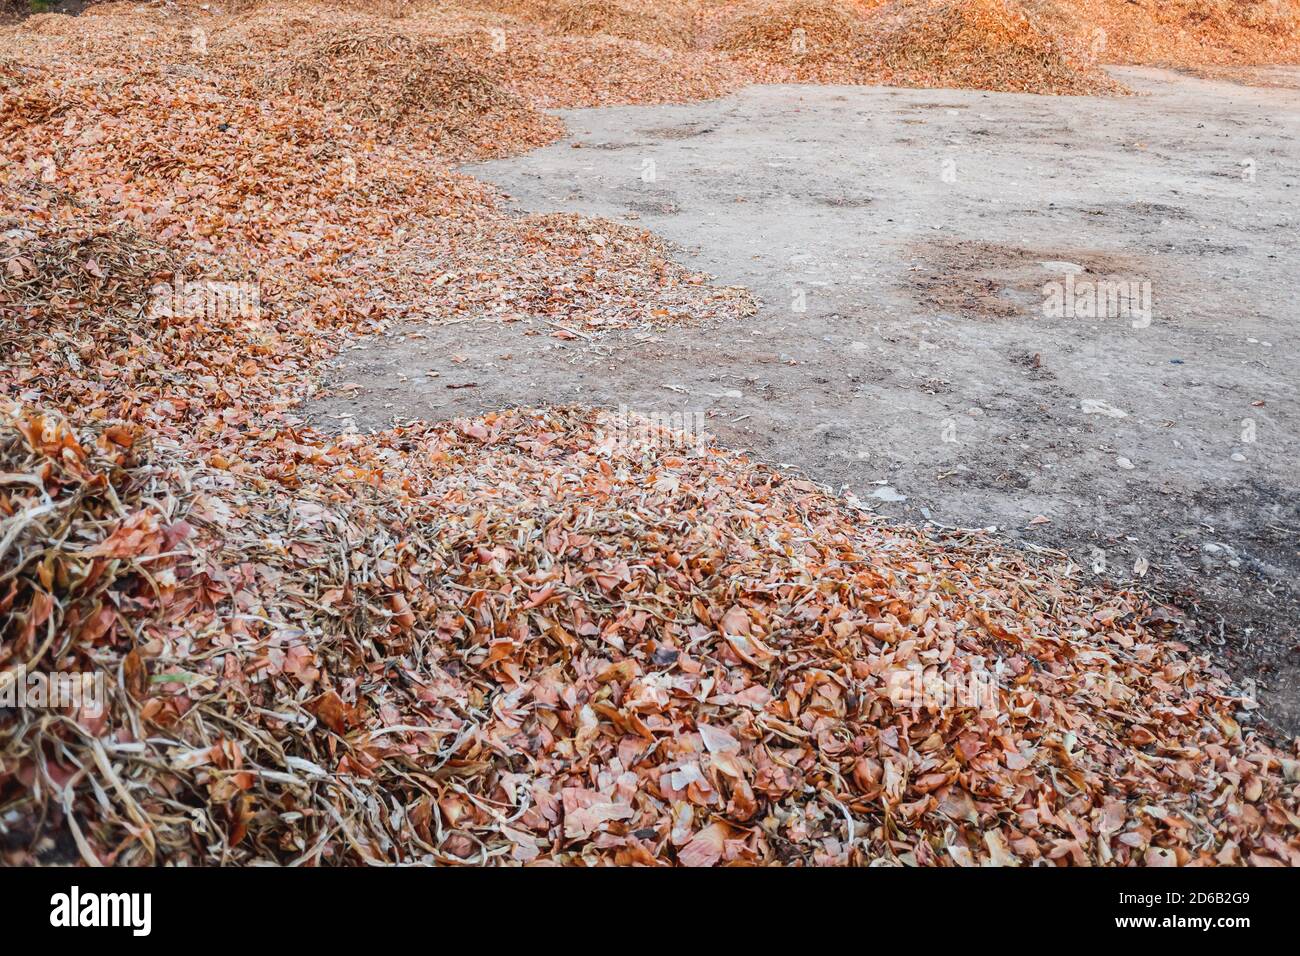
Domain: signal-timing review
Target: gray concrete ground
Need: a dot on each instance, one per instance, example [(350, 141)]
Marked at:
[(911, 344)]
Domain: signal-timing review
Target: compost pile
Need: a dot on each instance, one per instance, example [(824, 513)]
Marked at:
[(580, 55), (1177, 33), (25, 99), (397, 81), (979, 44), (644, 23), (538, 636), (531, 637), (58, 261), (974, 44), (558, 271), (568, 72), (815, 29)]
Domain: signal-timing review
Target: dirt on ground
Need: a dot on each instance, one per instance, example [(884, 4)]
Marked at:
[(571, 635), (908, 247)]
